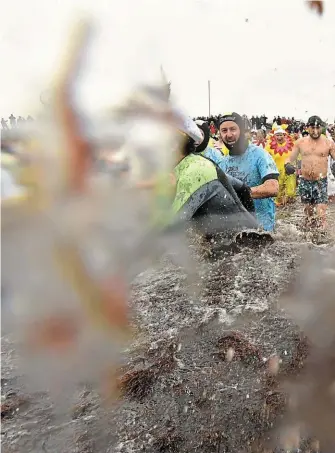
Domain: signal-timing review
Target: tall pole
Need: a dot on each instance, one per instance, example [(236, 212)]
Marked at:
[(209, 98)]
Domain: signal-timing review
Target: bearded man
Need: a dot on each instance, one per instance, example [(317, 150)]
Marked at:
[(252, 165)]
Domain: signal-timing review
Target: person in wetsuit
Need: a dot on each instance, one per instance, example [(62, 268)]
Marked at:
[(213, 154), (205, 196)]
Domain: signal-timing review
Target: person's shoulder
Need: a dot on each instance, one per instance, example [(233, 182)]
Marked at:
[(261, 157), (257, 151), (198, 160), (211, 151), (195, 163), (253, 147), (196, 171)]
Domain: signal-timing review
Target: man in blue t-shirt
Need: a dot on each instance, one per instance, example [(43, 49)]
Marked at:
[(252, 165)]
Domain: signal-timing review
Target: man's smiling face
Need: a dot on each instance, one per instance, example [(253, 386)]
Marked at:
[(230, 132)]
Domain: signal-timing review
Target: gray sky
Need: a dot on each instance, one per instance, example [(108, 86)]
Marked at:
[(281, 60)]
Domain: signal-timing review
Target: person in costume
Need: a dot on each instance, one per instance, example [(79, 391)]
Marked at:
[(252, 165), (296, 136), (204, 195), (280, 147)]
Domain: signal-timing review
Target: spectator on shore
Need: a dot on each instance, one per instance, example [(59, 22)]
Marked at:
[(12, 121), (4, 124)]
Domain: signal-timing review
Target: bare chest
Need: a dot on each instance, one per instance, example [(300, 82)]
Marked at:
[(314, 150)]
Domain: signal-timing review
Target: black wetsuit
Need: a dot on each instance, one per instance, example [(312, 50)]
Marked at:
[(214, 206)]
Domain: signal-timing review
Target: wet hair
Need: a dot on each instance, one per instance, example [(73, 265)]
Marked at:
[(236, 118), (188, 146)]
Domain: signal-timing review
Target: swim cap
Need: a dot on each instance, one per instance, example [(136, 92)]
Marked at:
[(315, 121), (242, 143), (235, 117)]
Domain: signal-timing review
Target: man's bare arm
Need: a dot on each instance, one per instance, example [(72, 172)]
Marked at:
[(294, 154), (266, 190)]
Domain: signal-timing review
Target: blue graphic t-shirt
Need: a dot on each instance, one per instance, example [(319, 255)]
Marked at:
[(214, 155), (217, 157), (251, 167)]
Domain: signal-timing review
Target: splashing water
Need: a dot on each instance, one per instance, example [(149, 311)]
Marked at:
[(100, 231), (76, 238), (310, 302)]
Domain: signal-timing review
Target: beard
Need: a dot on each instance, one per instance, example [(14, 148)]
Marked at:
[(315, 135), (237, 147)]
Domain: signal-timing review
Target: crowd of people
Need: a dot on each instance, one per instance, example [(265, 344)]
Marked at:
[(14, 122), (258, 123), (286, 141), (247, 168), (313, 181)]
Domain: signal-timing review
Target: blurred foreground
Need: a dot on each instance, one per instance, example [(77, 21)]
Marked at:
[(195, 378)]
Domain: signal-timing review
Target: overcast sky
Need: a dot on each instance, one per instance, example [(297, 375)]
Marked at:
[(260, 55)]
